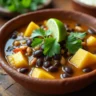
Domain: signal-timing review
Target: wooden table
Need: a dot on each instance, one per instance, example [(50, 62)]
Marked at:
[(8, 87)]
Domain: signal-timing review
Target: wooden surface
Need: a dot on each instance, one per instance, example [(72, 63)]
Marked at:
[(8, 87)]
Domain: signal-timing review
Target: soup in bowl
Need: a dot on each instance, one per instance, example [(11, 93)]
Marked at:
[(52, 51)]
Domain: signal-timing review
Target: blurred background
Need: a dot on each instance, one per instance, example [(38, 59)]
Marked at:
[(12, 8)]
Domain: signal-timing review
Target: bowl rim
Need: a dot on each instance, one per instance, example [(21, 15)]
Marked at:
[(84, 5), (9, 69)]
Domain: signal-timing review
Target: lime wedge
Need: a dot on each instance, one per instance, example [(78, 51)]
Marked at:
[(58, 30)]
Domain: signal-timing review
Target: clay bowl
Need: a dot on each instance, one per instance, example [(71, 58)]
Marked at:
[(59, 86), (4, 12), (78, 6)]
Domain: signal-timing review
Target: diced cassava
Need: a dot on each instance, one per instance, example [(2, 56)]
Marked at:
[(32, 26), (83, 59), (18, 60), (39, 73)]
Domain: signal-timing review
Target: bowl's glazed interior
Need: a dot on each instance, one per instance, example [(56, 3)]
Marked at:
[(40, 85)]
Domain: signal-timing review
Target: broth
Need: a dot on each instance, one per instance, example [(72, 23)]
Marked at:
[(69, 24)]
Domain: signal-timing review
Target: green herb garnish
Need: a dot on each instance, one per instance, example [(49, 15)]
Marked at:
[(35, 3), (42, 37), (36, 42), (51, 47), (74, 41), (41, 32), (21, 6)]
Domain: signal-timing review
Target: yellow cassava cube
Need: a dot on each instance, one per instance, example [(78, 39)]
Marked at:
[(83, 58), (18, 60), (91, 41), (39, 73), (32, 26)]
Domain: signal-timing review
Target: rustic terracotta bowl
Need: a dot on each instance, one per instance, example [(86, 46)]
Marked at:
[(78, 6), (59, 86), (4, 12)]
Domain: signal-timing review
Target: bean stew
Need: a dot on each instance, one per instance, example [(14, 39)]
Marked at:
[(52, 49)]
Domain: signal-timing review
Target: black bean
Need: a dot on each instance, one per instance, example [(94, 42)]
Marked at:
[(90, 31), (78, 24), (57, 57), (10, 48), (23, 70), (68, 69), (47, 64), (29, 41), (65, 75), (53, 69), (47, 58), (14, 36), (38, 53), (39, 62), (62, 42), (57, 63), (85, 70)]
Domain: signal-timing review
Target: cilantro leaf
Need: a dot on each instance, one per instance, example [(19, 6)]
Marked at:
[(73, 46), (39, 1), (74, 42), (51, 47), (21, 6), (36, 42), (33, 6), (38, 32), (48, 32), (79, 35), (41, 32)]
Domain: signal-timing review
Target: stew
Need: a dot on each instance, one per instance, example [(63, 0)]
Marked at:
[(52, 49)]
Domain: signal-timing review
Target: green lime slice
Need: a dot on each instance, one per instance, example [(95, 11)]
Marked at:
[(58, 30)]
